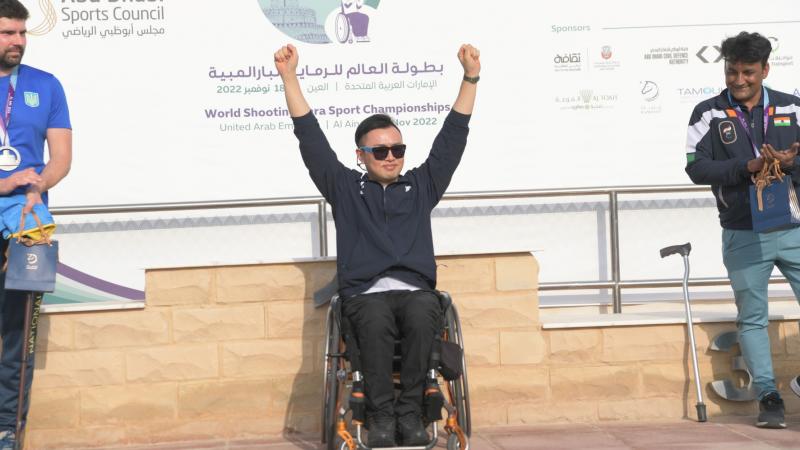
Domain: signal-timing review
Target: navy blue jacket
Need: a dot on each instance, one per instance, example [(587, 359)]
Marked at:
[(717, 149), (383, 232)]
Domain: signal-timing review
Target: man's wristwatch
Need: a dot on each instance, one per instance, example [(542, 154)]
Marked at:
[(473, 80)]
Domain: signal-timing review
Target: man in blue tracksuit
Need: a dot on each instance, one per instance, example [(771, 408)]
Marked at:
[(385, 262), (729, 136), (34, 111)]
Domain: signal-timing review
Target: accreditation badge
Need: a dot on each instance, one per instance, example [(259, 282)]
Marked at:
[(10, 158)]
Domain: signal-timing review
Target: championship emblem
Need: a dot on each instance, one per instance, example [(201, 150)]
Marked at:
[(32, 99), (727, 132)]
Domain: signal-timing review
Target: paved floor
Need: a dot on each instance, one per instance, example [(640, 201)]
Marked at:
[(727, 434)]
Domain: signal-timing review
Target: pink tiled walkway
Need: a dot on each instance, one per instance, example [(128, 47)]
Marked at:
[(724, 434)]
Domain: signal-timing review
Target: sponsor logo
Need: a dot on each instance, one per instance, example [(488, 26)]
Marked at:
[(649, 92), (696, 94), (778, 57), (322, 21), (709, 54), (607, 62), (49, 19), (727, 132), (586, 99), (668, 55), (32, 258), (568, 62)]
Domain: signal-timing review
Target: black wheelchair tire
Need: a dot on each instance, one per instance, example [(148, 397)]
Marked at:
[(460, 387), (330, 394)]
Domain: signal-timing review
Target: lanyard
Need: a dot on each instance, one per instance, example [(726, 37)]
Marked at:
[(746, 126), (6, 119)]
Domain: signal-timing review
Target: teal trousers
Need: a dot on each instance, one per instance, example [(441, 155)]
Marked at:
[(749, 258)]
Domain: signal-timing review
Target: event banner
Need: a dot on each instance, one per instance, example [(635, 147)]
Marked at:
[(179, 101)]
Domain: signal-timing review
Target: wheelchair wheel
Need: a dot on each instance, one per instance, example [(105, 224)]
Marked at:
[(342, 26), (460, 387), (330, 396)]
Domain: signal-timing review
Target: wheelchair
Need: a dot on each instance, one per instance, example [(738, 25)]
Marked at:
[(351, 24), (343, 395)]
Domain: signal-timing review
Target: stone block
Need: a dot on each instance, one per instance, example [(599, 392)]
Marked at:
[(84, 368), (488, 415), (498, 310), (122, 405), (594, 382), (171, 287), (482, 347), (45, 401), (496, 385), (668, 379), (295, 394), (267, 358), (295, 319), (522, 347), (224, 399), (465, 274), (643, 409), (120, 329), (516, 272), (178, 431), (56, 333), (556, 411), (174, 363), (272, 281), (575, 346), (218, 323), (644, 343), (791, 336), (84, 437)]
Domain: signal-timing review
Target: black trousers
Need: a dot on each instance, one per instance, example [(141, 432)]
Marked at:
[(413, 317), (12, 322)]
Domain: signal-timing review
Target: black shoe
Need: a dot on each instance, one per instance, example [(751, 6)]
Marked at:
[(381, 431), (411, 431), (795, 385), (771, 412)]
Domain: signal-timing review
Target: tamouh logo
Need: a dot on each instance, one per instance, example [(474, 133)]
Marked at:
[(49, 17), (322, 21)]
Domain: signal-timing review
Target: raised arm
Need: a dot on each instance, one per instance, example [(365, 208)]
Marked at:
[(286, 62), (469, 57)]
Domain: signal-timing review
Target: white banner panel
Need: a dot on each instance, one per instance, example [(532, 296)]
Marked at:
[(178, 100)]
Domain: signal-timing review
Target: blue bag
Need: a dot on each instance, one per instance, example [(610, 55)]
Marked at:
[(31, 264), (778, 207)]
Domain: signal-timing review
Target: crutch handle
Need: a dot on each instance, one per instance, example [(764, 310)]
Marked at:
[(683, 250)]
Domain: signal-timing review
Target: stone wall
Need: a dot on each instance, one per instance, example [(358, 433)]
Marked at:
[(236, 352)]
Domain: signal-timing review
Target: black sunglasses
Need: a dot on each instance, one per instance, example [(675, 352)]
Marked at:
[(380, 152)]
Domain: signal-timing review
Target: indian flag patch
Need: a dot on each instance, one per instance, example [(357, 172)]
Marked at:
[(783, 121)]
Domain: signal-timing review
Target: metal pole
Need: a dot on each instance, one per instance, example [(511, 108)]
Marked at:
[(701, 407), (613, 219), (322, 216)]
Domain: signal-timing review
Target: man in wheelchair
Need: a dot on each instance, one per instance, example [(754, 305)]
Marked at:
[(385, 259)]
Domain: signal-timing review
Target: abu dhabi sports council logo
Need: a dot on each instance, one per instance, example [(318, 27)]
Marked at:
[(48, 18), (322, 21)]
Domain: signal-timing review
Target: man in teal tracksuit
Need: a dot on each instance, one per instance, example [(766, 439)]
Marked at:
[(728, 137)]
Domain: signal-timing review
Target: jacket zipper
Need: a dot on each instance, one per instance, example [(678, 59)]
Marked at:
[(721, 199)]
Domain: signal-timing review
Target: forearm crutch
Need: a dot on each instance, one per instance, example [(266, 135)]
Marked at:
[(684, 251)]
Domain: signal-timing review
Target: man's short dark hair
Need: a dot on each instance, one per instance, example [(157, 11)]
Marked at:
[(373, 122), (747, 48)]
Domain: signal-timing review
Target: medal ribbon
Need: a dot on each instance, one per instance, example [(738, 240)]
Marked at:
[(6, 119), (746, 126)]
